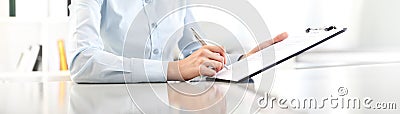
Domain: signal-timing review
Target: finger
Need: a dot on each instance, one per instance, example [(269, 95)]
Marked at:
[(214, 56), (268, 43), (273, 41), (280, 37), (205, 71), (215, 65), (217, 49), (224, 56)]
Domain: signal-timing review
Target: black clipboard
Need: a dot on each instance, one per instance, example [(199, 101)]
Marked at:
[(246, 78)]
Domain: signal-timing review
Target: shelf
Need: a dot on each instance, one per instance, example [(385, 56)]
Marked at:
[(44, 31), (33, 20), (35, 76)]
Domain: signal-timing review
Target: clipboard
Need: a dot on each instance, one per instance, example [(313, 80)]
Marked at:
[(244, 76)]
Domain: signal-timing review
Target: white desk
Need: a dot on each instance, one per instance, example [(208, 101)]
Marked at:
[(379, 82)]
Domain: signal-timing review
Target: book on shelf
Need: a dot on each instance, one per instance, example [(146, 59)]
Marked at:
[(62, 55), (30, 59), (12, 8)]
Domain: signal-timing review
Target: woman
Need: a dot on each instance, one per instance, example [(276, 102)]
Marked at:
[(99, 54)]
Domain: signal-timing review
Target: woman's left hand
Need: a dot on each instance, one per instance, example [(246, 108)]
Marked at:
[(266, 44)]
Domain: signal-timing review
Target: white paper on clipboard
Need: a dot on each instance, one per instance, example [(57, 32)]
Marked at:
[(254, 64)]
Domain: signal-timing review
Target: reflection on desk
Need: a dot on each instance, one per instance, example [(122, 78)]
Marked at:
[(201, 97), (155, 98)]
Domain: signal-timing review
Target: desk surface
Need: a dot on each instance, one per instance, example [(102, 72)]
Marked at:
[(376, 82)]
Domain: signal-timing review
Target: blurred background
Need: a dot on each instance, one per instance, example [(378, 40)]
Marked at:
[(372, 36)]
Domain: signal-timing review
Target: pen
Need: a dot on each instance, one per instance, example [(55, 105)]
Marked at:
[(197, 36)]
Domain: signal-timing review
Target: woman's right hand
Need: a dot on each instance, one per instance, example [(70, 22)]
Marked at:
[(206, 61)]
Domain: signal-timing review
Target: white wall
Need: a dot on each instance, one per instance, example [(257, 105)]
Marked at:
[(373, 24), (4, 6), (294, 16), (380, 22)]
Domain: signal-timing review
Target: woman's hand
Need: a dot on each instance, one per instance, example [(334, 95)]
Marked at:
[(266, 44), (207, 61)]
